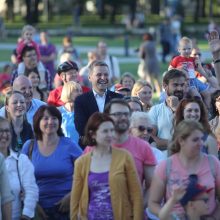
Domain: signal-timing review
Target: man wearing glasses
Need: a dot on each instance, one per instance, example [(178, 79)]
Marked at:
[(95, 100), (68, 71), (29, 58)]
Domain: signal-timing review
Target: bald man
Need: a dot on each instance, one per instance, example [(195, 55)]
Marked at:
[(23, 85)]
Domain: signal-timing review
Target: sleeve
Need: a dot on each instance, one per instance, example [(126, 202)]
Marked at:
[(80, 119), (134, 188), (75, 150), (25, 147), (51, 100), (5, 190), (76, 192), (20, 47), (149, 158), (152, 114), (173, 62), (160, 170), (29, 185)]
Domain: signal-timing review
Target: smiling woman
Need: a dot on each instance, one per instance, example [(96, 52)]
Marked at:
[(16, 113), (53, 157)]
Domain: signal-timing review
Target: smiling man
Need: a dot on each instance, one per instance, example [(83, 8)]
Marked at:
[(95, 100)]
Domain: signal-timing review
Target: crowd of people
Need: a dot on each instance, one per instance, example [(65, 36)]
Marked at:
[(87, 142)]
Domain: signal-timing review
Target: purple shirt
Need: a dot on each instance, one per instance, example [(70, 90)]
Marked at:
[(100, 207), (47, 50)]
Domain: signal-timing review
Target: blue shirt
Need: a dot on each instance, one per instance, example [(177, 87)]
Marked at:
[(54, 172), (68, 125)]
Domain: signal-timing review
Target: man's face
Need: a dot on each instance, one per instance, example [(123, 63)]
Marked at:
[(25, 87), (102, 48), (70, 75), (176, 87), (121, 116), (30, 58), (99, 78)]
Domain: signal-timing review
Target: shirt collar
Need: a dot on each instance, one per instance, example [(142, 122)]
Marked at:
[(97, 95)]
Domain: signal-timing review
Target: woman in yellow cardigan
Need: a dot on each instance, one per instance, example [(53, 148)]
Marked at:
[(105, 183)]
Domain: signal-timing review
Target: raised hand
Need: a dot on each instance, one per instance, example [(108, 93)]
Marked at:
[(214, 43)]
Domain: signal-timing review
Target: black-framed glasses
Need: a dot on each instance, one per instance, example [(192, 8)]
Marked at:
[(120, 114), (142, 128)]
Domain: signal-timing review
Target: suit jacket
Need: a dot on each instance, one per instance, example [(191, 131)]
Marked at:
[(86, 105), (125, 188)]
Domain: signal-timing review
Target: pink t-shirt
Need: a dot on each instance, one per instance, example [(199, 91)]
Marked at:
[(178, 175), (187, 63), (140, 151)]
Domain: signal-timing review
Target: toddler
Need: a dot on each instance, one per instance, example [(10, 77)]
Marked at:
[(189, 64)]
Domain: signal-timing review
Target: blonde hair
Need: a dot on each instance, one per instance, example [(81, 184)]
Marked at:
[(185, 40), (138, 86), (27, 28), (68, 89), (183, 130)]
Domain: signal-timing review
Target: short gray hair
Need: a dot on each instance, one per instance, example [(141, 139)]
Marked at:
[(139, 115)]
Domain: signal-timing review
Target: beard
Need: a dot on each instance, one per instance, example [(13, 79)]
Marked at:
[(122, 126), (178, 94)]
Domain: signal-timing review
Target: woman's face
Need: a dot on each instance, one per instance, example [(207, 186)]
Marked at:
[(192, 111), (49, 124), (5, 135), (191, 146), (145, 94), (141, 128), (127, 82), (105, 134), (75, 93), (16, 105), (34, 78)]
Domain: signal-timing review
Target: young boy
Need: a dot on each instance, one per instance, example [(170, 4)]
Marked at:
[(189, 64)]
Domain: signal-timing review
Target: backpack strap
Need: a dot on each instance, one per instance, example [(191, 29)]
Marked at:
[(212, 166), (30, 149), (168, 168)]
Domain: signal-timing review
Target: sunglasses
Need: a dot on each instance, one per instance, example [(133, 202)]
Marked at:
[(142, 128)]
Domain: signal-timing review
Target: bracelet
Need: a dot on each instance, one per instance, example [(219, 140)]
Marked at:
[(216, 61)]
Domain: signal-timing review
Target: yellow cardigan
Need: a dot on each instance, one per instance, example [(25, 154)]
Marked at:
[(125, 188)]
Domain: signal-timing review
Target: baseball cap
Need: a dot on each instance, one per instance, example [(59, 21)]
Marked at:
[(120, 87), (66, 66), (193, 190)]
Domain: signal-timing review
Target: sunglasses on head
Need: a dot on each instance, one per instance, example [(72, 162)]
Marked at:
[(143, 128)]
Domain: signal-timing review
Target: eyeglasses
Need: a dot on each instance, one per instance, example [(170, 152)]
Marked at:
[(66, 66), (120, 114), (31, 55), (142, 128), (4, 130)]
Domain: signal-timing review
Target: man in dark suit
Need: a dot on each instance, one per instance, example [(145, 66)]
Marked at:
[(94, 100)]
